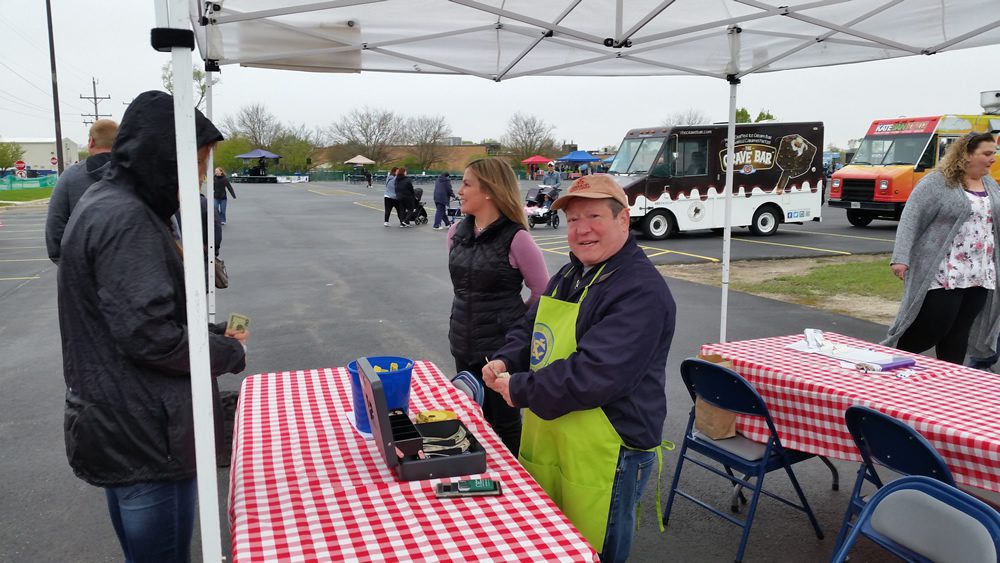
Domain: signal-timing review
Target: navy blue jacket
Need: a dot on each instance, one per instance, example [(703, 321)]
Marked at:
[(623, 333), (442, 190)]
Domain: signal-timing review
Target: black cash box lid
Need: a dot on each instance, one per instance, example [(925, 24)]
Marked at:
[(412, 468)]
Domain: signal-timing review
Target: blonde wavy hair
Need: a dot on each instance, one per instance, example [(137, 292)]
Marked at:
[(952, 166), (497, 179)]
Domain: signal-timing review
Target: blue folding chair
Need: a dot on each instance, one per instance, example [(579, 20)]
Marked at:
[(894, 445), (725, 389), (923, 519)]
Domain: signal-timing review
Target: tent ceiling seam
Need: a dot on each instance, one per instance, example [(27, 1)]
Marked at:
[(548, 33), (422, 60), (823, 38), (621, 38), (540, 24), (965, 36), (291, 10)]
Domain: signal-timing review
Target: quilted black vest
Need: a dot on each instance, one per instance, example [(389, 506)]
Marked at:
[(487, 289)]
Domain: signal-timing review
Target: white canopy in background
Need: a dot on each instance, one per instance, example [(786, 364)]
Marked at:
[(360, 159), (504, 39)]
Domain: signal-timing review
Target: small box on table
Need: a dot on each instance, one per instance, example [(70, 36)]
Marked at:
[(401, 442)]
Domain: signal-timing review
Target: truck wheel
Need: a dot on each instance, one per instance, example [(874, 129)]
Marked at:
[(765, 221), (859, 219), (658, 225)]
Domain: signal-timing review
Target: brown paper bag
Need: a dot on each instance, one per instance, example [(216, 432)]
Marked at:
[(710, 420)]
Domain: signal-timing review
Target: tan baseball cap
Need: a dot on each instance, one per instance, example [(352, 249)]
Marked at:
[(598, 186)]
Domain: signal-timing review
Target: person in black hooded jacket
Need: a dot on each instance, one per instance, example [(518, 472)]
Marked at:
[(129, 425)]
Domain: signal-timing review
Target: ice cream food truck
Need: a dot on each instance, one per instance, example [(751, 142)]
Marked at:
[(675, 177)]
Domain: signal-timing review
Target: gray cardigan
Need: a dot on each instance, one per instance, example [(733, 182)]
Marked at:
[(933, 215)]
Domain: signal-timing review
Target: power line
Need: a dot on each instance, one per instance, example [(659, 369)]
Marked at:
[(95, 99)]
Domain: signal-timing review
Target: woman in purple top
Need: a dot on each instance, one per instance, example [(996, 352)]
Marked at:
[(491, 257)]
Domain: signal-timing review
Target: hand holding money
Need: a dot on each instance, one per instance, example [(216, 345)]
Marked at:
[(238, 327)]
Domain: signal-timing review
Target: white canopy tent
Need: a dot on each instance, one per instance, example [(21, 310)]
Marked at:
[(360, 160), (503, 39)]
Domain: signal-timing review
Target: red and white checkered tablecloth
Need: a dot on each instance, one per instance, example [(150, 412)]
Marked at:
[(955, 407), (305, 486)]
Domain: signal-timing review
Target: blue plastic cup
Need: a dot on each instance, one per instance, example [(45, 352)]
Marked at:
[(395, 384)]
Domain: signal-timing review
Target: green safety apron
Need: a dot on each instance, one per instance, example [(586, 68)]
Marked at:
[(574, 457)]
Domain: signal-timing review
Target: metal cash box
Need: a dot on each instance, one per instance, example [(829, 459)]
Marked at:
[(393, 430)]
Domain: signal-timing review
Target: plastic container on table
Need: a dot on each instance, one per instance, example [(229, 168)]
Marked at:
[(395, 383)]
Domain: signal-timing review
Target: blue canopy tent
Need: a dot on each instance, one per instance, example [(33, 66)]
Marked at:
[(261, 156), (609, 160), (577, 157)]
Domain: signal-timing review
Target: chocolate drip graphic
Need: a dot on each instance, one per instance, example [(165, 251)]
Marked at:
[(794, 156)]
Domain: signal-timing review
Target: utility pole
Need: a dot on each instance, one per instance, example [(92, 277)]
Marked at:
[(55, 89), (95, 99)]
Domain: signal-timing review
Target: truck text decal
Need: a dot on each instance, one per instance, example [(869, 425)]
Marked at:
[(750, 158)]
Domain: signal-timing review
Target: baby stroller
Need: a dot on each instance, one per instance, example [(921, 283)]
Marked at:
[(421, 218), (537, 206), (454, 213)]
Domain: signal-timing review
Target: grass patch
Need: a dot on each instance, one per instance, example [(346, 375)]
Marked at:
[(27, 194), (872, 278)]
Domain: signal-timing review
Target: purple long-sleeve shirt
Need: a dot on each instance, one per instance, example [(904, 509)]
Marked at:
[(526, 257)]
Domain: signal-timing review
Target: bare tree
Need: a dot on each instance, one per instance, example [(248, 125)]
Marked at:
[(528, 135), (373, 131), (427, 135), (690, 116), (198, 75), (296, 146), (255, 123)]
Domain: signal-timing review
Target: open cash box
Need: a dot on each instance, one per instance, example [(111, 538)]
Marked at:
[(449, 448)]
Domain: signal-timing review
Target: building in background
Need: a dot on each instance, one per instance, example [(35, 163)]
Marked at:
[(40, 152)]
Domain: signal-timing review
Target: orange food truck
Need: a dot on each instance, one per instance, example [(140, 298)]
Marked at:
[(894, 155)]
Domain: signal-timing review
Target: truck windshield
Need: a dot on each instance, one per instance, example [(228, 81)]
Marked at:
[(636, 155), (886, 150)]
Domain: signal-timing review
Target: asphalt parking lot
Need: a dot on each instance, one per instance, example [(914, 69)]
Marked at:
[(324, 283)]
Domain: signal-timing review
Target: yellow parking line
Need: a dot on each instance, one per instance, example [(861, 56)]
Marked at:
[(19, 279), (556, 251), (844, 236), (793, 246), (24, 260), (662, 251), (368, 205), (550, 237)]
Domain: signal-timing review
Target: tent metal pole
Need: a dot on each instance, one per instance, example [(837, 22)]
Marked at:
[(176, 13), (210, 196), (732, 70)]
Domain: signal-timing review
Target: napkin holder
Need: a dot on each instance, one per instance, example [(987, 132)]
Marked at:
[(395, 434)]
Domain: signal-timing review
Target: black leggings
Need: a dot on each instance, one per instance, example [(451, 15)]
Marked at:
[(505, 419), (391, 204), (944, 322)]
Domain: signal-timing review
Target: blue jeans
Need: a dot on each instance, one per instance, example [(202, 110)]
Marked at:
[(441, 215), (154, 520), (631, 476), (220, 208)]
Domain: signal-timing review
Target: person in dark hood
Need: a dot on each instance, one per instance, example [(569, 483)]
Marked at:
[(75, 180), (129, 425)]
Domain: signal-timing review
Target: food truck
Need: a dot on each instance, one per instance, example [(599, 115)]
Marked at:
[(675, 177), (893, 157)]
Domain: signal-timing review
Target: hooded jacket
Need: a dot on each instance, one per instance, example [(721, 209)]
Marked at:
[(73, 183), (122, 312)]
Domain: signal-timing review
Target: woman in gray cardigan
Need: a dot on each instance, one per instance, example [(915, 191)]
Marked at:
[(947, 256)]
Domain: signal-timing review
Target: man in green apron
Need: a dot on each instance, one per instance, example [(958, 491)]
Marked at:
[(588, 364)]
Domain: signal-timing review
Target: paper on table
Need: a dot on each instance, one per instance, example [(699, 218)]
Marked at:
[(843, 352), (350, 417)]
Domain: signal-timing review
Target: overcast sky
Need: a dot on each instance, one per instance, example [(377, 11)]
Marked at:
[(109, 40)]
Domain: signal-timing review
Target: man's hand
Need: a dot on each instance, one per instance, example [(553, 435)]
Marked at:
[(495, 377), (240, 336)]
